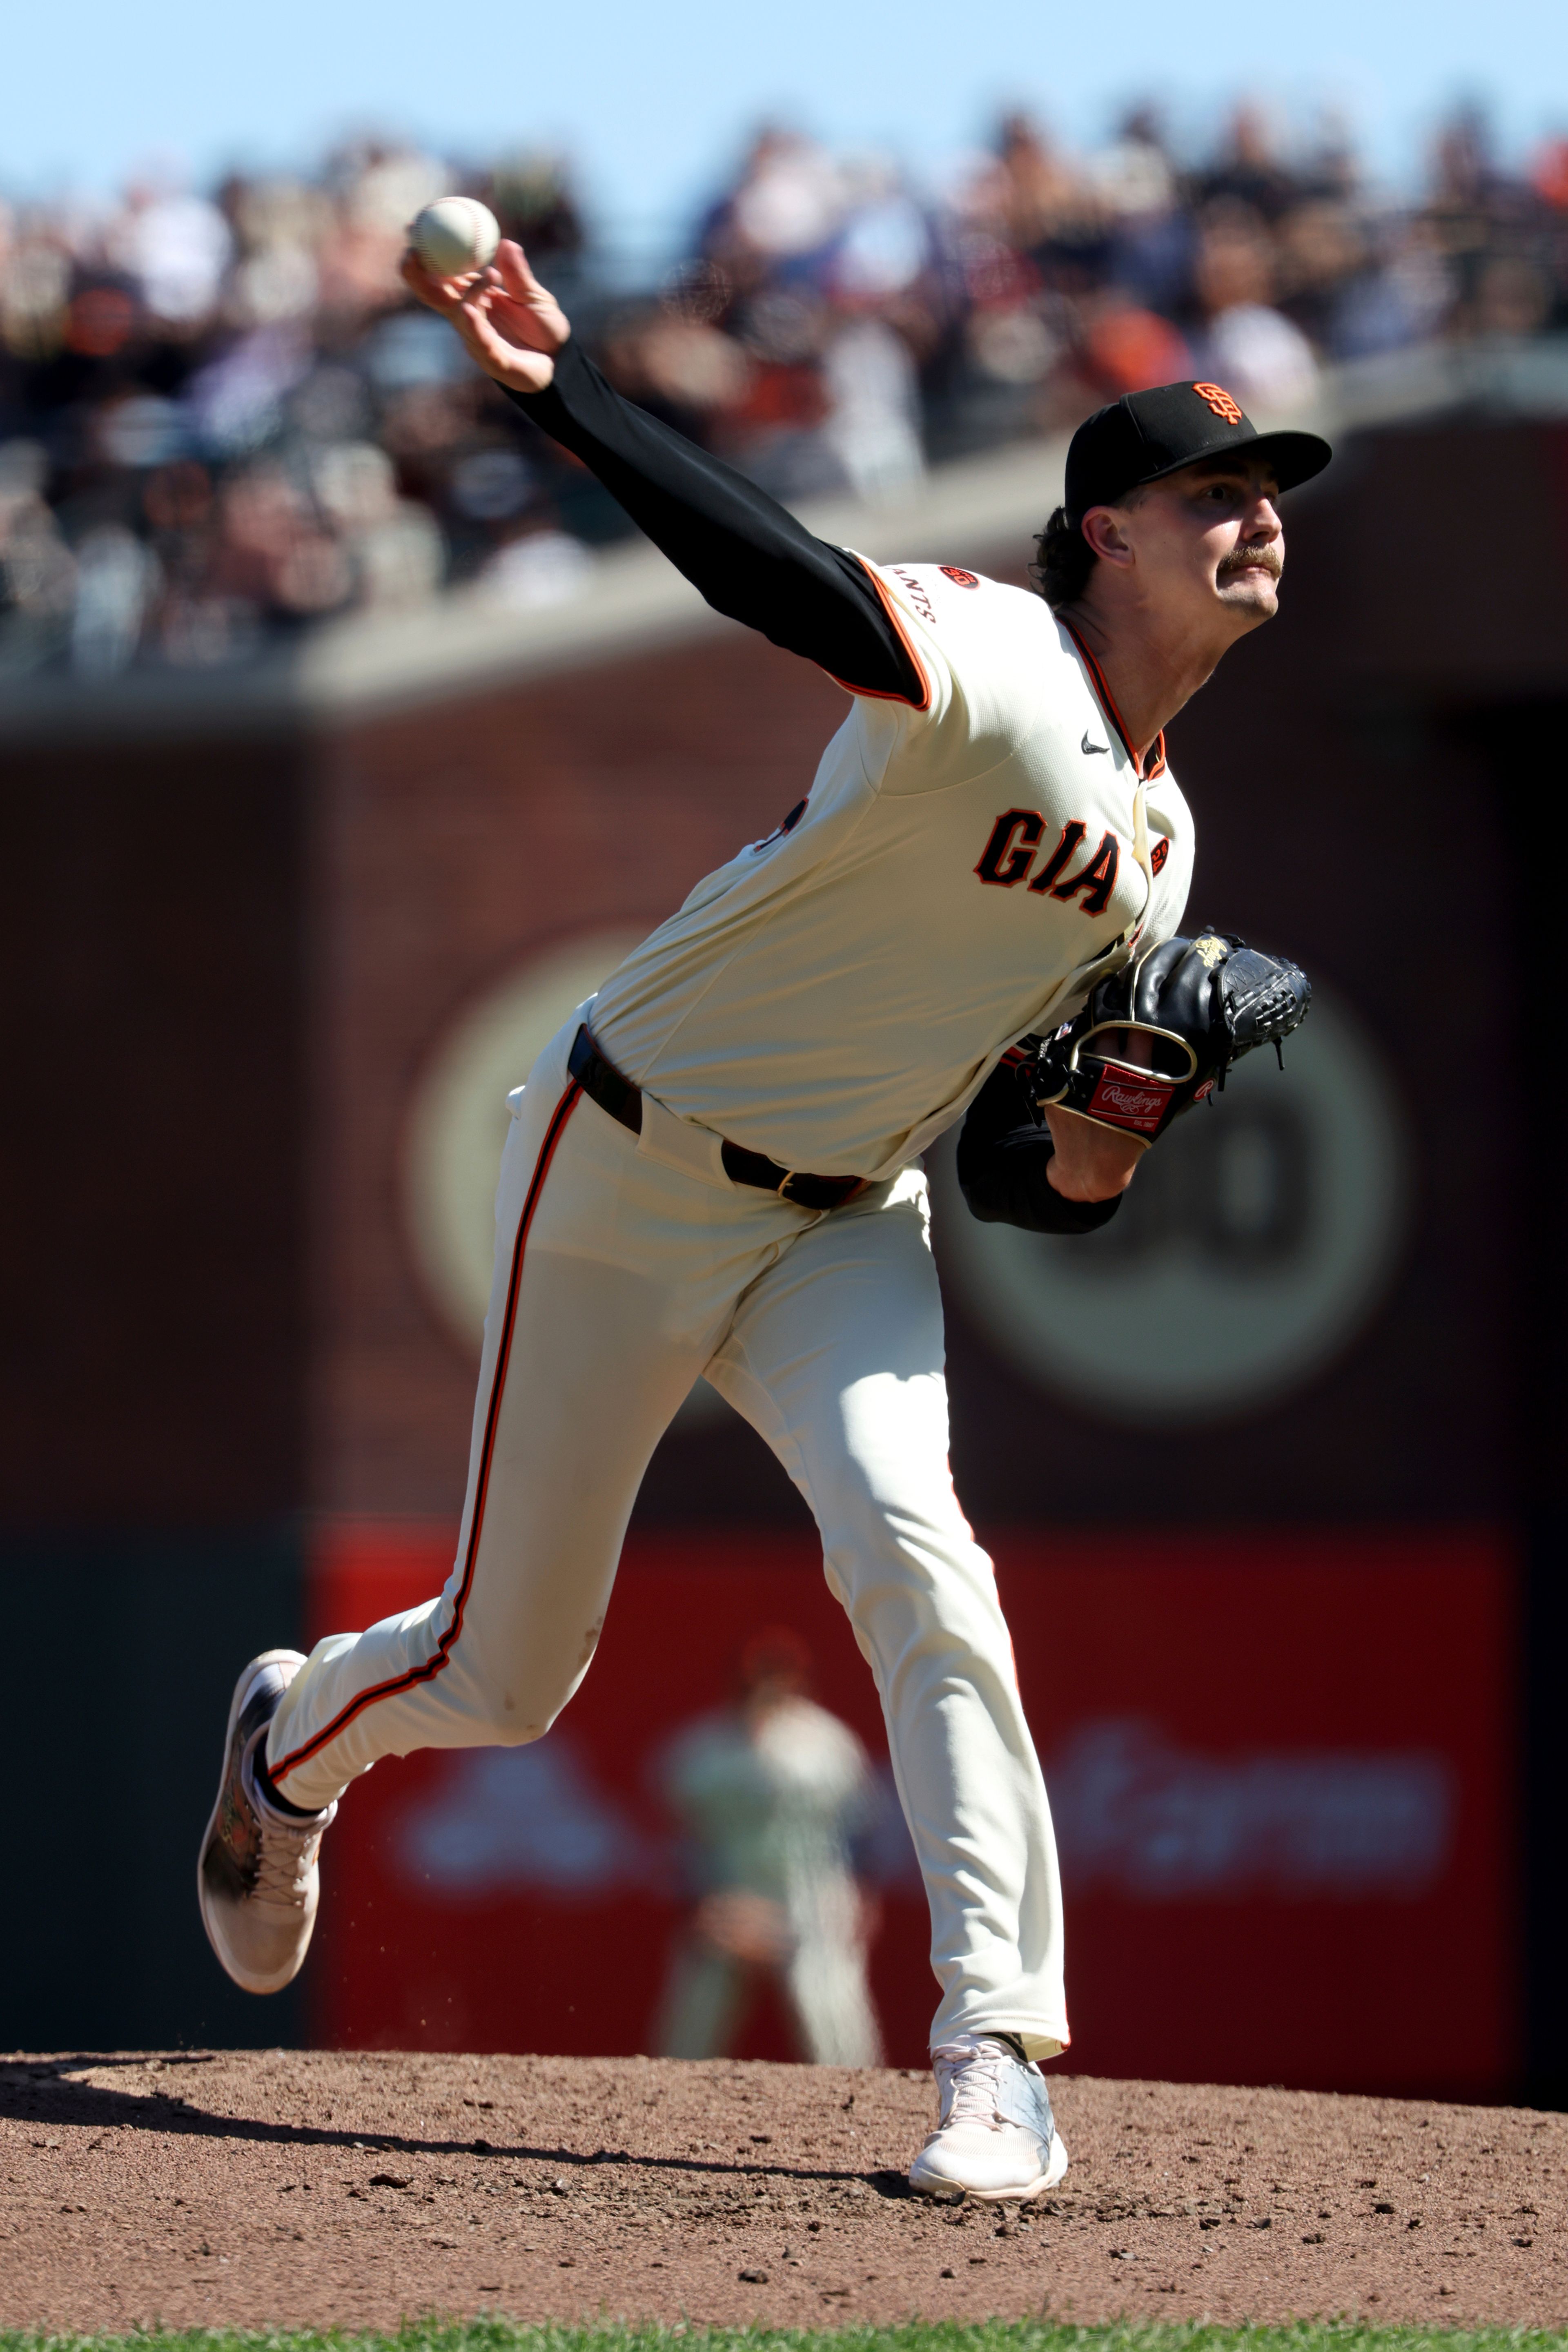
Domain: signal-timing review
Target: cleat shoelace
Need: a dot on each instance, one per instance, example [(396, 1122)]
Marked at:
[(973, 2076), (284, 1864), (286, 1849)]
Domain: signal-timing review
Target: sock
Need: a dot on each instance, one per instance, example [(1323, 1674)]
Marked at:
[(265, 1782), (1010, 2043)]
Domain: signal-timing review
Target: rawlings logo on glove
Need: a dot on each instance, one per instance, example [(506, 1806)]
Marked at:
[(1121, 1101), (1161, 1033)]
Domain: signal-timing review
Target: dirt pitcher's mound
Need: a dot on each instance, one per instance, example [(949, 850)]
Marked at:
[(287, 2187)]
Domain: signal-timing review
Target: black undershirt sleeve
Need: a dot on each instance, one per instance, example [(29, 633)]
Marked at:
[(742, 551), (1004, 1150)]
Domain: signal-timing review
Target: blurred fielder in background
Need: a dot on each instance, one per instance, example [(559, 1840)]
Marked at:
[(770, 1793)]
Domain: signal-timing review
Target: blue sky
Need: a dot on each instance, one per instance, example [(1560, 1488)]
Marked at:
[(651, 98)]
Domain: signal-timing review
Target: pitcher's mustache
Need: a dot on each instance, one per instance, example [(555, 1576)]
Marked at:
[(1242, 559)]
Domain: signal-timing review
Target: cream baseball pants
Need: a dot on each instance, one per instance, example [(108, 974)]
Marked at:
[(624, 1267)]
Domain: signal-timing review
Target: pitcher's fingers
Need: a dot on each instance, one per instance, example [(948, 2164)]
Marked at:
[(471, 319), (419, 282), (513, 314), (446, 294), (513, 264)]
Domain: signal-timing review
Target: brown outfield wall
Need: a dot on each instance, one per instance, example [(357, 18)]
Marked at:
[(304, 2187)]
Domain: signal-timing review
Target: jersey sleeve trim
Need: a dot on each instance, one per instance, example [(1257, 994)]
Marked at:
[(882, 694)]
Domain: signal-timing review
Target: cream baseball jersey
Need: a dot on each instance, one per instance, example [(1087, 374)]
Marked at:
[(959, 875)]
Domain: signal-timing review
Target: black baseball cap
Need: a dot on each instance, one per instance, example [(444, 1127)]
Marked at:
[(1146, 435)]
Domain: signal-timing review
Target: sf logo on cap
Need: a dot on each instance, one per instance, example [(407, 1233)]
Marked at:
[(1220, 400)]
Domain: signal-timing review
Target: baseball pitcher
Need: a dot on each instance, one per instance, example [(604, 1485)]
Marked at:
[(972, 914)]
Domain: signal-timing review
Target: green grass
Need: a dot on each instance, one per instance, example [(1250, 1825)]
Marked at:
[(500, 2335)]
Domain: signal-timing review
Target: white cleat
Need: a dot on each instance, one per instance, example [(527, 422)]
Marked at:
[(997, 2137), (257, 1879)]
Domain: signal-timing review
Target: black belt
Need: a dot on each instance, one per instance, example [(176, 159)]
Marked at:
[(603, 1083)]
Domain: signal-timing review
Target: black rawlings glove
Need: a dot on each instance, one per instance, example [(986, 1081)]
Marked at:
[(1160, 1035)]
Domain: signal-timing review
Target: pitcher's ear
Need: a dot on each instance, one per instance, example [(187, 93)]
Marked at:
[(1104, 531)]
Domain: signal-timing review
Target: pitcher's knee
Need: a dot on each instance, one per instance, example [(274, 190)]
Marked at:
[(924, 1608), (925, 1551), (506, 1733), (511, 1711), (513, 1684)]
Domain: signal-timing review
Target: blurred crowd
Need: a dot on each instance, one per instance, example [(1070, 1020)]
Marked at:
[(220, 419)]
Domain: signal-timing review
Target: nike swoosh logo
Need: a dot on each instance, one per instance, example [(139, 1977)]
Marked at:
[(1087, 746)]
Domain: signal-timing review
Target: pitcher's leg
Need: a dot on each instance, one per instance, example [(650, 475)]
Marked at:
[(581, 1375), (836, 1358)]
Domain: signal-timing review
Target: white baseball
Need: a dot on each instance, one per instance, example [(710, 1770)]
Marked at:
[(454, 235)]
